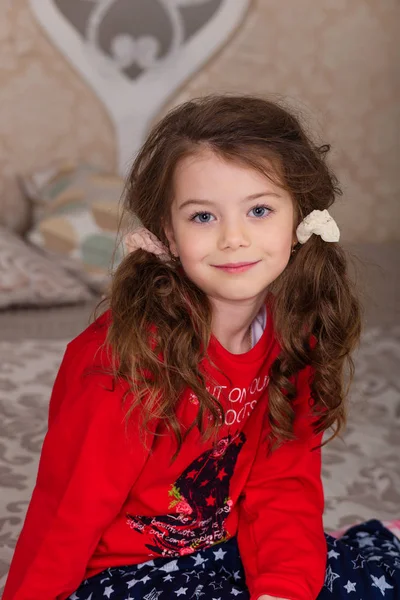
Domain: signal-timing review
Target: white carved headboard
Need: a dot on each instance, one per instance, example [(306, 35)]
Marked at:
[(136, 53)]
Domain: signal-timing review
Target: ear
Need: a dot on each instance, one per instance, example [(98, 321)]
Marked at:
[(169, 232), (296, 217)]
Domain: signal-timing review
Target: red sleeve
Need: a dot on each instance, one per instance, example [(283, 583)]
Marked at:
[(90, 460), (280, 534)]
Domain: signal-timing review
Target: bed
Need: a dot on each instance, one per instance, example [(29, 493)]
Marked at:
[(361, 471)]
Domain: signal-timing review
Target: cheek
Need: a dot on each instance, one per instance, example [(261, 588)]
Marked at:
[(280, 242), (192, 244), (280, 250)]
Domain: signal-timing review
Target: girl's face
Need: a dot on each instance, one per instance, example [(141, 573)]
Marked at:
[(232, 228)]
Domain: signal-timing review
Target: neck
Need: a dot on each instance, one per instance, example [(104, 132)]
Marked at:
[(231, 323)]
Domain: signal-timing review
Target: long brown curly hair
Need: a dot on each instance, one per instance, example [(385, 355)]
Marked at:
[(161, 321)]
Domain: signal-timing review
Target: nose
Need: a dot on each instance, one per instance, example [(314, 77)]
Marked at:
[(233, 235)]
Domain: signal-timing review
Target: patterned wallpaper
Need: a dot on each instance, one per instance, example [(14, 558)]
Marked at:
[(335, 60)]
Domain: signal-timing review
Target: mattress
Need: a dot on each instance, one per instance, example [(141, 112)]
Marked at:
[(361, 471)]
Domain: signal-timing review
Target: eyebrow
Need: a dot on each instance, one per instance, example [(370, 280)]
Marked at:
[(211, 203)]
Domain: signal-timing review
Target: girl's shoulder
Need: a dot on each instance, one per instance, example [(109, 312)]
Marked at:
[(96, 331), (85, 376), (90, 346)]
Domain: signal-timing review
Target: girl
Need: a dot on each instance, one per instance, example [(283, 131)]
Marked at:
[(183, 453)]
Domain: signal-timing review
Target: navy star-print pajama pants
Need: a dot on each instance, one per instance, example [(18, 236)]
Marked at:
[(364, 564)]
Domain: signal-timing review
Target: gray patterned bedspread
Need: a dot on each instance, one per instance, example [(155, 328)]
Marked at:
[(361, 472)]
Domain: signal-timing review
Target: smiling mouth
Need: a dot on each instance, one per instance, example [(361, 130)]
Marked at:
[(236, 267)]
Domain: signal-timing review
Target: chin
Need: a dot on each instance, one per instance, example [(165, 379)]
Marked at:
[(242, 294)]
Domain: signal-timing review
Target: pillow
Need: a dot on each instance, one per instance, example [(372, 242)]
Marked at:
[(15, 210), (76, 214), (29, 279)]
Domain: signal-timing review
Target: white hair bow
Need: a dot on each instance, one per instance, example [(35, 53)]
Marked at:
[(320, 223)]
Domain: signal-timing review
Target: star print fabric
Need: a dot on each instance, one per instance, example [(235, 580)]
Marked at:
[(364, 564), (212, 574)]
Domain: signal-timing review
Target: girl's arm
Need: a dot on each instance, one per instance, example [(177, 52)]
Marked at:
[(264, 597), (86, 471), (280, 533)]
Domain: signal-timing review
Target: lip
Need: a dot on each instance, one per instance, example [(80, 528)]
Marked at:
[(236, 267)]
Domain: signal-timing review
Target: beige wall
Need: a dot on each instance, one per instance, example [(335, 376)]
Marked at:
[(335, 59), (47, 112)]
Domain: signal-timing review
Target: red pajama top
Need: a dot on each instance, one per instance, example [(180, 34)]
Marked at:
[(103, 498)]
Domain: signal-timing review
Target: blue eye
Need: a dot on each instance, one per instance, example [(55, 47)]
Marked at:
[(201, 215), (260, 211)]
